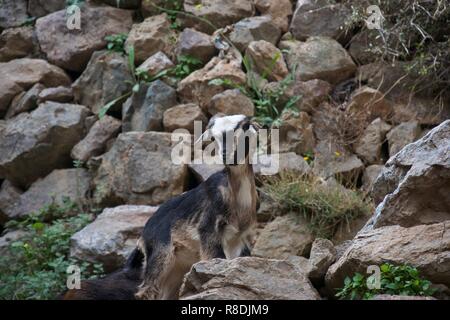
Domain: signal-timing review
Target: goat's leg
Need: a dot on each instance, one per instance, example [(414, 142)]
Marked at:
[(159, 264), (211, 246)]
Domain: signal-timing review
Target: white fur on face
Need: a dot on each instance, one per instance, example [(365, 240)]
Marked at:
[(224, 124)]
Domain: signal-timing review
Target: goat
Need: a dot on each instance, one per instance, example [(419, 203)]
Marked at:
[(214, 220)]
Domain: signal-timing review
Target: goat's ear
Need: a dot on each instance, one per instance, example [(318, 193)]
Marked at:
[(255, 125)]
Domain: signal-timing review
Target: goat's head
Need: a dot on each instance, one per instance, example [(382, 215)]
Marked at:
[(236, 137)]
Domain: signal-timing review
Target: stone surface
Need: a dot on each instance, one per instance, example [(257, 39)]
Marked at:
[(72, 49), (66, 183), (94, 144), (363, 46), (230, 102), (151, 36), (318, 18), (40, 8), (57, 94), (21, 74), (267, 60), (138, 170), (370, 175), (426, 247), (144, 110), (195, 44), (415, 182), (366, 104), (9, 195), (105, 78), (112, 236), (220, 13), (183, 116), (246, 278), (368, 146), (156, 64), (288, 161), (278, 10), (296, 133), (17, 43), (32, 145), (196, 88), (25, 101), (403, 134), (319, 58), (284, 236), (322, 255), (13, 13), (254, 29)]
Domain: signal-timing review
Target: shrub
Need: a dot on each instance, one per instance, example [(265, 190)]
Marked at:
[(325, 207), (395, 280), (35, 266)]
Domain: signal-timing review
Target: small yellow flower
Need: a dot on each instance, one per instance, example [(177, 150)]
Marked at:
[(337, 153), (306, 158), (198, 6)]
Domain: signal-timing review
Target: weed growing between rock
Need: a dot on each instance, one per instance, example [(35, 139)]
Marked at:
[(35, 266)]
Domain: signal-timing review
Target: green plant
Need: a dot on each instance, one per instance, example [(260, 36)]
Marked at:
[(394, 280), (172, 8), (326, 207), (29, 22), (116, 42), (35, 267)]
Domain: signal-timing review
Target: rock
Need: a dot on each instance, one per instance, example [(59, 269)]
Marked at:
[(25, 101), (151, 36), (106, 77), (268, 208), (341, 248), (246, 278), (368, 146), (414, 182), (399, 297), (196, 88), (13, 13), (425, 247), (230, 102), (94, 144), (57, 94), (367, 104), (21, 74), (17, 43), (66, 183), (284, 236), (203, 167), (183, 116), (145, 109), (40, 8), (278, 10), (9, 238), (138, 170), (112, 236), (296, 133), (156, 64), (403, 134), (32, 145), (364, 46), (148, 7), (254, 29), (425, 110), (318, 18), (370, 175), (9, 195), (286, 162), (221, 13), (72, 49), (319, 58), (347, 231), (267, 60), (322, 255), (195, 44)]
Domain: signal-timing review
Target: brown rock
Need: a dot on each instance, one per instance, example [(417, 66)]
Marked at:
[(403, 134), (25, 101), (322, 255), (40, 8), (367, 104), (289, 161), (9, 195), (57, 94), (364, 46), (13, 13), (17, 43), (267, 60), (156, 64), (278, 10), (195, 44), (368, 146), (230, 102), (296, 133), (183, 117)]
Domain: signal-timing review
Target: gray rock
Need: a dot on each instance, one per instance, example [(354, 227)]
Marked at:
[(112, 236), (403, 134), (370, 175), (57, 94), (267, 60), (278, 10), (9, 195), (322, 255), (40, 8), (13, 13), (231, 102), (288, 161), (195, 44), (156, 64), (32, 145), (296, 133), (17, 43), (368, 146), (183, 116), (25, 101)]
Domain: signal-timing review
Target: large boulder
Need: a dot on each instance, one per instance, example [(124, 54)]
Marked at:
[(138, 170), (106, 78), (266, 60), (72, 49), (231, 101), (144, 110), (59, 185), (40, 8), (426, 247), (32, 145), (94, 144), (278, 10), (254, 29), (195, 44), (17, 43), (413, 187), (284, 236), (152, 35), (13, 13), (112, 236), (246, 278), (319, 58), (197, 88), (319, 18), (220, 13), (21, 74)]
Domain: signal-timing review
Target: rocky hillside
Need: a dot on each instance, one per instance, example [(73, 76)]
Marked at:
[(86, 117)]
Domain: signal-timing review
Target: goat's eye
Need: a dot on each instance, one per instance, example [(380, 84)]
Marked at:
[(213, 139)]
